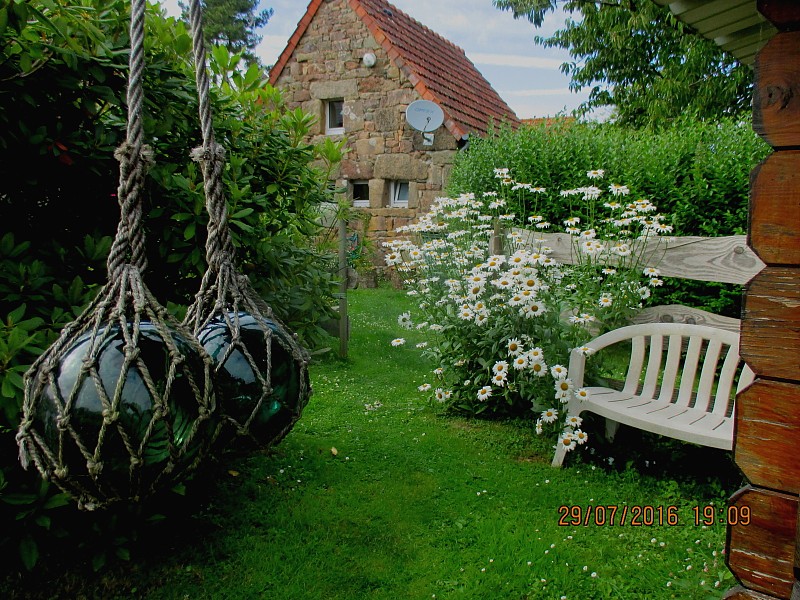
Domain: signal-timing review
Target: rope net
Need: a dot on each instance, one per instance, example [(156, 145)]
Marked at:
[(260, 368), (122, 404)]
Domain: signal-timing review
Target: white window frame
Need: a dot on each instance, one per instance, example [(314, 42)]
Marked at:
[(329, 106), (396, 191), (363, 203)]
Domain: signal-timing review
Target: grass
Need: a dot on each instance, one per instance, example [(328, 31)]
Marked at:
[(376, 495)]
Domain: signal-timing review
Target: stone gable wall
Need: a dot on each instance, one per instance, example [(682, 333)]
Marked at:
[(381, 146)]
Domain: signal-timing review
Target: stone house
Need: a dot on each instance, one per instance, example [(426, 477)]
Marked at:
[(357, 65)]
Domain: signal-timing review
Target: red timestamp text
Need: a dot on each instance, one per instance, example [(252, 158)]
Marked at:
[(617, 515)]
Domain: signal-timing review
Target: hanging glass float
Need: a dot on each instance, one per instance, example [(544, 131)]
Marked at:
[(261, 377), (117, 416)]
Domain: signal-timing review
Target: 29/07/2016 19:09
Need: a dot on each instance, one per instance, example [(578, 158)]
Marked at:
[(647, 515)]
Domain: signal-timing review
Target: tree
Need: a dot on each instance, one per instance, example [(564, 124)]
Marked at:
[(636, 56), (232, 23)]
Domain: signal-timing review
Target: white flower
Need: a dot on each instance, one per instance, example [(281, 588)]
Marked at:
[(398, 342), (539, 428), (573, 421), (550, 415), (595, 174), (644, 293), (520, 362), (484, 392), (424, 387), (585, 350), (618, 190), (656, 282), (514, 347), (404, 320), (582, 394), (567, 440), (539, 368), (651, 272), (605, 300), (558, 372), (499, 379), (500, 366), (440, 395), (422, 345), (580, 436), (563, 386)]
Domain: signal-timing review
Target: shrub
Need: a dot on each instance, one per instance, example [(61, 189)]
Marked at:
[(698, 172)]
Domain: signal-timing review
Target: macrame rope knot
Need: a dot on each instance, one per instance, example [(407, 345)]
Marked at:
[(62, 422), (129, 153), (213, 152), (60, 472), (110, 416), (95, 467)]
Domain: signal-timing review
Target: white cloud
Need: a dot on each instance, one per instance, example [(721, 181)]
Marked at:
[(516, 60)]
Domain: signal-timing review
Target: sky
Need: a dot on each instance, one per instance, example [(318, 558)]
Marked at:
[(526, 75)]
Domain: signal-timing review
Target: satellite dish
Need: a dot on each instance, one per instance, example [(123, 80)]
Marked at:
[(425, 116)]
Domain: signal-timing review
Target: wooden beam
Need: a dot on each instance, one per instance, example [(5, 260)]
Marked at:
[(761, 552), (767, 434), (785, 14), (775, 208), (727, 259), (770, 341), (776, 96)]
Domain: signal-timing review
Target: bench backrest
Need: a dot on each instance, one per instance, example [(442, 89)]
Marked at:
[(690, 365)]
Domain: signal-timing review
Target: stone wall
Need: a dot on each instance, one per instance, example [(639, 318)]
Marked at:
[(381, 147)]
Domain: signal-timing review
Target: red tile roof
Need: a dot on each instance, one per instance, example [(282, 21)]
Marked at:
[(438, 69)]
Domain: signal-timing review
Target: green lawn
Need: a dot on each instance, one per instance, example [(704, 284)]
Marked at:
[(374, 494)]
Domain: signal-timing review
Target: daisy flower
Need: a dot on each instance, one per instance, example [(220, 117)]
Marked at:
[(514, 347), (438, 372), (539, 428), (500, 366), (580, 436), (404, 320), (573, 421), (605, 300), (520, 362), (558, 372), (440, 396), (499, 379), (424, 387), (651, 272), (618, 190), (398, 342), (550, 415), (596, 173), (656, 282), (422, 345), (536, 354), (582, 394), (539, 368), (563, 386), (484, 393), (567, 440)]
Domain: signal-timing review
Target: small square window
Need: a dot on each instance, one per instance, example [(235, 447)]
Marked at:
[(334, 116), (360, 191), (398, 194)]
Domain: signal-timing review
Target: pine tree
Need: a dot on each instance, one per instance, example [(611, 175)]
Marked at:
[(232, 23)]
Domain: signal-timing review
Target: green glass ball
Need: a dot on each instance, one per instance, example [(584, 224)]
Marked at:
[(239, 389), (140, 448)]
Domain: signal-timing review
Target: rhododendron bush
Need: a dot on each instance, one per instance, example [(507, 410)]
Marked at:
[(501, 326)]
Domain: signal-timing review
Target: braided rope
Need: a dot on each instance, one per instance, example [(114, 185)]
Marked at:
[(116, 398), (224, 293)]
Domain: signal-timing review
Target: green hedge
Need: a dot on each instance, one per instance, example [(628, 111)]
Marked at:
[(697, 173)]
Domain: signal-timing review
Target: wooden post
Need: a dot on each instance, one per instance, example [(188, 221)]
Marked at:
[(343, 320), (764, 554)]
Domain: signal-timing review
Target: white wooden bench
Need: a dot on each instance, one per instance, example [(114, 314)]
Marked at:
[(679, 383)]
